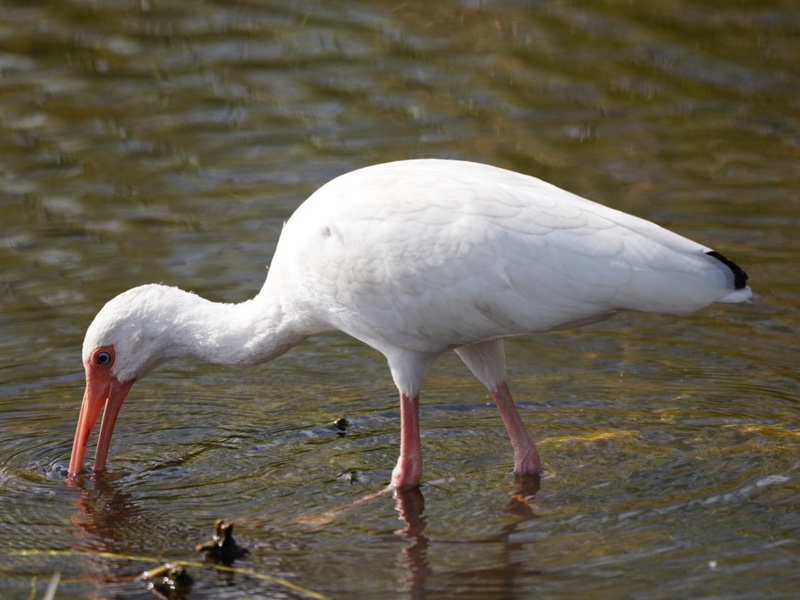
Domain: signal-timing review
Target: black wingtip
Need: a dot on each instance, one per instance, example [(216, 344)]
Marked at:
[(739, 276)]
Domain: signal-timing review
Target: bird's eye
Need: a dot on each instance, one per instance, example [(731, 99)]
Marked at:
[(102, 358)]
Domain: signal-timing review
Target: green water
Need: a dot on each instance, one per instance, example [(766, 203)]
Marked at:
[(168, 141)]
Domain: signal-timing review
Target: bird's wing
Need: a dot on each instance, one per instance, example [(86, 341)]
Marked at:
[(455, 252)]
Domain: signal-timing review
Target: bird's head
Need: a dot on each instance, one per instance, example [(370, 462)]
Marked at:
[(124, 342)]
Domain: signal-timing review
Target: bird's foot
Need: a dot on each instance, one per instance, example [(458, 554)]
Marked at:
[(407, 474), (527, 461)]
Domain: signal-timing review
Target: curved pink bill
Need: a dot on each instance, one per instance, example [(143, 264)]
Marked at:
[(100, 391)]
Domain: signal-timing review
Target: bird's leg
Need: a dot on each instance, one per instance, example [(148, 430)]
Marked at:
[(408, 471), (526, 458)]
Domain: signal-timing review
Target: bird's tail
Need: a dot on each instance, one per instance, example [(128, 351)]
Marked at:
[(742, 291)]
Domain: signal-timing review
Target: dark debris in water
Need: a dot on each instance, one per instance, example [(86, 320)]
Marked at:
[(222, 548), (350, 477), (341, 425), (170, 582)]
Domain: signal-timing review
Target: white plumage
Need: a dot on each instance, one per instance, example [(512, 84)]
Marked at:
[(415, 258)]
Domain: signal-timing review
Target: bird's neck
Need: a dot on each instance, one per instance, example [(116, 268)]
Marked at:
[(241, 334)]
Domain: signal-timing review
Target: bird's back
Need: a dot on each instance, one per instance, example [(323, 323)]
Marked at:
[(428, 254)]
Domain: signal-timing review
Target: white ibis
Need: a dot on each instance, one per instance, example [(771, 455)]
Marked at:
[(413, 258)]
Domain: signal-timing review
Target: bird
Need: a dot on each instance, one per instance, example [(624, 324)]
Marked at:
[(413, 258)]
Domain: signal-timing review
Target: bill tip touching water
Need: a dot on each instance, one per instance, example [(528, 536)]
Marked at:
[(414, 258)]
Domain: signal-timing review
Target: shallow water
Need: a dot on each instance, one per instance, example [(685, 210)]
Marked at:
[(168, 141)]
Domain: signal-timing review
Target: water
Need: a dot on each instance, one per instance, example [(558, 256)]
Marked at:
[(168, 141)]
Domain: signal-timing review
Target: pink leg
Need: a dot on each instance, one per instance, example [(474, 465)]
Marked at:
[(526, 458), (408, 471)]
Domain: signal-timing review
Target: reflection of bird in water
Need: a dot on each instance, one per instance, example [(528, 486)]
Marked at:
[(414, 258), (111, 521)]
